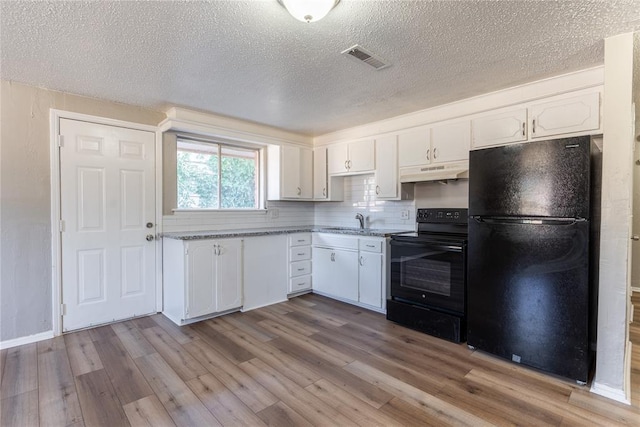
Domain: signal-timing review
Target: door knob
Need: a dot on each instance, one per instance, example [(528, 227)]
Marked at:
[(149, 237), (635, 237), (149, 225)]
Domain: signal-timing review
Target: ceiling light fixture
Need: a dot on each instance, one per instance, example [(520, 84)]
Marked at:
[(309, 10)]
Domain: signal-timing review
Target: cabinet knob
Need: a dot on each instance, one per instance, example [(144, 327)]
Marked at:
[(361, 261), (428, 154), (533, 126), (435, 153), (324, 192), (345, 164), (377, 189), (524, 129), (299, 191)]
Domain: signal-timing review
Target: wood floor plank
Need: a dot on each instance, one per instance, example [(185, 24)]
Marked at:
[(219, 324), (19, 410), (182, 405), (182, 334), (296, 397), (224, 345), (58, 400), (534, 398), (100, 405), (53, 344), (323, 351), (285, 364), (618, 412), (178, 358), (247, 389), (315, 316), (132, 339), (409, 415), (102, 333), (83, 356), (222, 403), (273, 316), (367, 392), (240, 321), (280, 415), (127, 380), (3, 359), (21, 371), (144, 322), (428, 402), (148, 412), (350, 406)]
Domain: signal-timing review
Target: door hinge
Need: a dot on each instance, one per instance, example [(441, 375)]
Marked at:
[(60, 141), (61, 225), (63, 309)]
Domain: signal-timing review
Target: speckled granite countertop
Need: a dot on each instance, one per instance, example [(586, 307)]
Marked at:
[(221, 234)]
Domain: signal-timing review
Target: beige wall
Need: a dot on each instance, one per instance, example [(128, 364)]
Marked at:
[(25, 186)]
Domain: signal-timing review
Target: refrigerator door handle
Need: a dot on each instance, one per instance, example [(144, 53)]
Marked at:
[(528, 220)]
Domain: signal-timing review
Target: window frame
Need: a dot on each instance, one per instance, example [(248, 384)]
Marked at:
[(260, 186)]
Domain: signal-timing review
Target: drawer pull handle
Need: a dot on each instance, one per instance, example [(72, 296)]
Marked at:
[(301, 269), (301, 254), (371, 246)]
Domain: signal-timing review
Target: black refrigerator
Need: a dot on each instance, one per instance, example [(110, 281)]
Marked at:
[(533, 253)]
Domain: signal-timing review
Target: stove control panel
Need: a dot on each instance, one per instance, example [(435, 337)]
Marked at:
[(451, 215)]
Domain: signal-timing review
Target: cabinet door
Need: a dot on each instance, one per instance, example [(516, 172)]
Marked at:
[(320, 173), (370, 281), (345, 270), (229, 279), (305, 162), (290, 172), (337, 156), (575, 114), (451, 142), (201, 278), (414, 148), (502, 128), (323, 273), (362, 156), (387, 167)]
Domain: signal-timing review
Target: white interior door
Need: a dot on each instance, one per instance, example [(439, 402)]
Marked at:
[(107, 207)]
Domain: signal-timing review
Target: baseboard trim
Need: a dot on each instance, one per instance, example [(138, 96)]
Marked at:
[(610, 393), (26, 340)]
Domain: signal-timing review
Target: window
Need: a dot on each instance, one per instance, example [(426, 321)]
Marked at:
[(217, 176)]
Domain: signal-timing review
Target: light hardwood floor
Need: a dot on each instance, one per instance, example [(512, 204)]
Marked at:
[(309, 361), (634, 337)]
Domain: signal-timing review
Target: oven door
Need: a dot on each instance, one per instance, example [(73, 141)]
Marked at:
[(432, 274)]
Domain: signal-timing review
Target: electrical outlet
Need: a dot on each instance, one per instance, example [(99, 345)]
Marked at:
[(274, 213), (404, 214)]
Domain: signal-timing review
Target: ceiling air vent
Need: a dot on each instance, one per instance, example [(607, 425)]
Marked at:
[(361, 54)]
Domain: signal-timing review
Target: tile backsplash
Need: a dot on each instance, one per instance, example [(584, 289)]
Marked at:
[(359, 197)]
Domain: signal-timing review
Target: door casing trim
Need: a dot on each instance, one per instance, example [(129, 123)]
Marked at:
[(56, 249)]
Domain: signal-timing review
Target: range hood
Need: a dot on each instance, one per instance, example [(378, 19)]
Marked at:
[(455, 170)]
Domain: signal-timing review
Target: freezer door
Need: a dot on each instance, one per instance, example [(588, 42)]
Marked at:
[(543, 178), (528, 294)]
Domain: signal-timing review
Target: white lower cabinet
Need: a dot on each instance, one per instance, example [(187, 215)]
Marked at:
[(350, 268), (201, 278)]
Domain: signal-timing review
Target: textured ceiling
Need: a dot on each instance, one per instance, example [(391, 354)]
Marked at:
[(252, 60)]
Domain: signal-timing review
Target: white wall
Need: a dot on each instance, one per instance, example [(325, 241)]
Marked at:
[(611, 373)]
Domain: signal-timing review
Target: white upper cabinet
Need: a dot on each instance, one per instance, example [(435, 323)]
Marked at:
[(387, 167), (290, 171), (320, 187), (414, 148), (439, 144), (565, 115), (351, 158), (451, 142), (501, 128)]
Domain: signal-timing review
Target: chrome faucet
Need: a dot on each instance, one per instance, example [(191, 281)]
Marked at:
[(360, 218)]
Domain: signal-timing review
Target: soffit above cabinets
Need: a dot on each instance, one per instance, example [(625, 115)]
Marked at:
[(251, 60)]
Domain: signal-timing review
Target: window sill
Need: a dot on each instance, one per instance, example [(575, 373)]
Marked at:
[(209, 211)]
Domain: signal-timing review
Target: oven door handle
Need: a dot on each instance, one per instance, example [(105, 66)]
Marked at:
[(448, 248)]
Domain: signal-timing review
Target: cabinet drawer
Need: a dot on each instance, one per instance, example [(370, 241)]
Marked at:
[(299, 253), (371, 245), (301, 283), (300, 239), (335, 241), (300, 268)]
